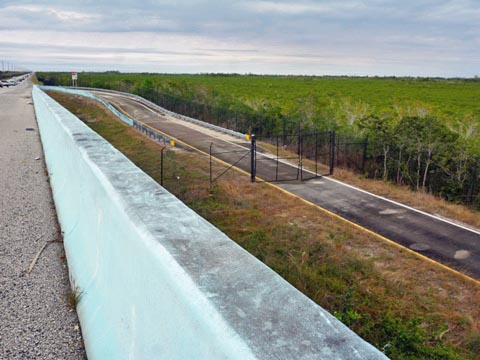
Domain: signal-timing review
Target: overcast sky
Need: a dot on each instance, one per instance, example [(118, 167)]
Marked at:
[(323, 37)]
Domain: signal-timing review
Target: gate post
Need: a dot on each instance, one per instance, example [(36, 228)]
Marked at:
[(332, 151), (253, 147)]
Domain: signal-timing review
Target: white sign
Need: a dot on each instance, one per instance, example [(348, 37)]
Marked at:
[(74, 76)]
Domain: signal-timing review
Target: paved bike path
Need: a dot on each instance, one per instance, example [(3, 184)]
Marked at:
[(445, 242)]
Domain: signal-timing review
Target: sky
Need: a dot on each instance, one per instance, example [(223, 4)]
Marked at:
[(322, 37)]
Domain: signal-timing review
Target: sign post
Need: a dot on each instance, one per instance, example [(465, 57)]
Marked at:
[(74, 79)]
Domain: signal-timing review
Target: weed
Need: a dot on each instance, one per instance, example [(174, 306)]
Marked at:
[(74, 296)]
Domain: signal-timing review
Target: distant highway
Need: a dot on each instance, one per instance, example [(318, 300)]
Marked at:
[(20, 85), (450, 244)]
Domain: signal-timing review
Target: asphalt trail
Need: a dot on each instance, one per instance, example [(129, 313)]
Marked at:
[(452, 245)]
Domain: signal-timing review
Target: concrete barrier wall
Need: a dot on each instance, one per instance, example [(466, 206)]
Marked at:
[(159, 282)]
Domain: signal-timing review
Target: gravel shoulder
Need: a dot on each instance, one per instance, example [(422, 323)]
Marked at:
[(36, 320)]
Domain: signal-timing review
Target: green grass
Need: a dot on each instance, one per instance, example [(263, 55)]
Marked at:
[(35, 80)]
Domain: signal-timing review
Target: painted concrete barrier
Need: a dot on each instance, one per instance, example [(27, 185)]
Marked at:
[(159, 282)]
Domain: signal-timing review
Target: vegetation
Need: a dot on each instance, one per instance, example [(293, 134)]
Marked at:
[(74, 296), (10, 74), (424, 133), (35, 80), (405, 306)]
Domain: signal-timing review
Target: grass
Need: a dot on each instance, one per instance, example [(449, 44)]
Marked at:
[(35, 80), (399, 302), (74, 296)]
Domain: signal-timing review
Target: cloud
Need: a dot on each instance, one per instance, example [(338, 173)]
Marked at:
[(60, 15), (352, 36), (455, 11), (297, 8)]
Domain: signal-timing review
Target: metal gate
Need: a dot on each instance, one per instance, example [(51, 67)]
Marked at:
[(296, 157)]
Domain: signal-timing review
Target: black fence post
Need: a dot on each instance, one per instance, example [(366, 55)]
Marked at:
[(211, 144), (235, 127), (473, 185), (298, 151), (276, 167), (332, 151), (364, 160), (337, 149), (316, 154), (301, 155), (252, 158)]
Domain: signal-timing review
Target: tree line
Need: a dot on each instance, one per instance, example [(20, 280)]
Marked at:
[(408, 144)]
